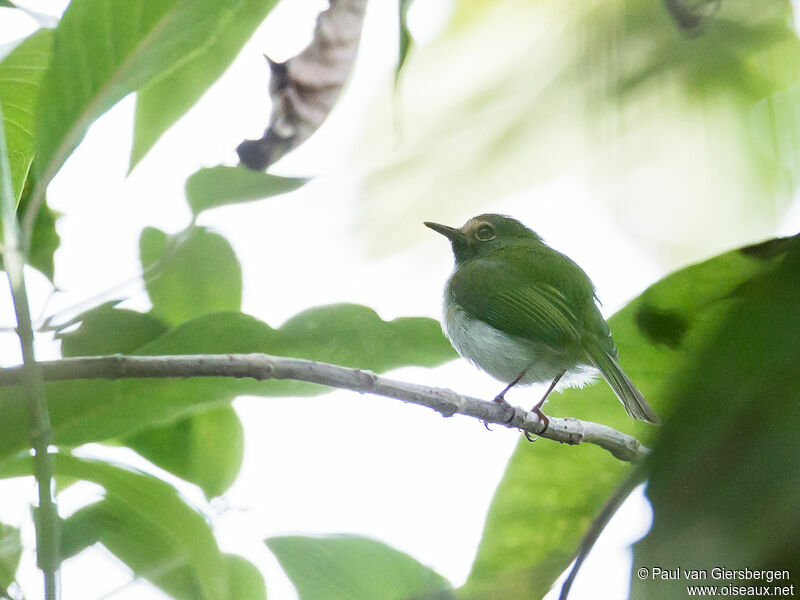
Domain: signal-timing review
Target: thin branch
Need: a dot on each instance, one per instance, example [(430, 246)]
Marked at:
[(637, 476), (46, 514), (263, 366)]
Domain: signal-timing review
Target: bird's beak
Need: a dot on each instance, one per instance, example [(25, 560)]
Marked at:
[(451, 233)]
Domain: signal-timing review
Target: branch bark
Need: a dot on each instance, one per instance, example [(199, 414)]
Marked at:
[(263, 367)]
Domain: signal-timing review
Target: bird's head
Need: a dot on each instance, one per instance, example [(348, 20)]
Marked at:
[(484, 235)]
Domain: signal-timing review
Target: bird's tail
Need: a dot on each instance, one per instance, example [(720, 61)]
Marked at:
[(630, 396)]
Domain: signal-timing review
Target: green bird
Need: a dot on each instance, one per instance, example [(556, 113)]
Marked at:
[(525, 313)]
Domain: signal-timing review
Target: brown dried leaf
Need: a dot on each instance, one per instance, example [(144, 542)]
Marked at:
[(305, 88)]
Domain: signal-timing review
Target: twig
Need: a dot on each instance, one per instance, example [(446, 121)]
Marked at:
[(263, 366), (46, 515), (637, 476), (53, 323)]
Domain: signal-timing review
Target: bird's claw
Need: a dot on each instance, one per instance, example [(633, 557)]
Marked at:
[(502, 401)]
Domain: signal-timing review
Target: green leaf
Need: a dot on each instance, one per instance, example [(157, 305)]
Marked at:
[(163, 102), (149, 520), (44, 237), (103, 51), (149, 554), (20, 76), (244, 579), (10, 553), (218, 186), (108, 330), (347, 567), (44, 242), (724, 471), (349, 335), (206, 448), (199, 274), (550, 493)]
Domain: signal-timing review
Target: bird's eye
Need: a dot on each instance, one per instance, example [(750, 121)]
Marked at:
[(485, 233)]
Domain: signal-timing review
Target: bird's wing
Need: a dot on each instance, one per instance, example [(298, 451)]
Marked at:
[(524, 307)]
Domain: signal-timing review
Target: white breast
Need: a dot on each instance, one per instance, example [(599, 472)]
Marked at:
[(505, 356)]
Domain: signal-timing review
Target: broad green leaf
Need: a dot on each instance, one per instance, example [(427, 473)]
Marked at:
[(20, 76), (206, 448), (10, 553), (218, 186), (345, 567), (550, 493), (108, 330), (162, 517), (724, 482), (199, 274), (103, 51), (163, 102), (350, 335), (151, 555)]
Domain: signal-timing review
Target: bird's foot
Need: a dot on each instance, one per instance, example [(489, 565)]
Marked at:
[(502, 401), (543, 419)]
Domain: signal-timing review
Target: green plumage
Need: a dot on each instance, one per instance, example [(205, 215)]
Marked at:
[(514, 306)]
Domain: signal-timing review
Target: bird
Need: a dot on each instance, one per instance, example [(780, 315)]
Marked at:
[(525, 313)]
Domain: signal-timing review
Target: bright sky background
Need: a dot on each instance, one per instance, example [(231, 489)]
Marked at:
[(349, 463)]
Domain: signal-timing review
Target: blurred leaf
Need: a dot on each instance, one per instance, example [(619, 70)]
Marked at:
[(108, 330), (163, 523), (404, 35), (345, 567), (569, 98), (10, 553), (218, 186), (550, 493), (691, 15), (150, 554), (725, 469), (164, 101), (206, 448), (103, 51), (44, 242), (244, 579), (349, 335), (775, 122), (200, 274), (20, 75), (44, 237)]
